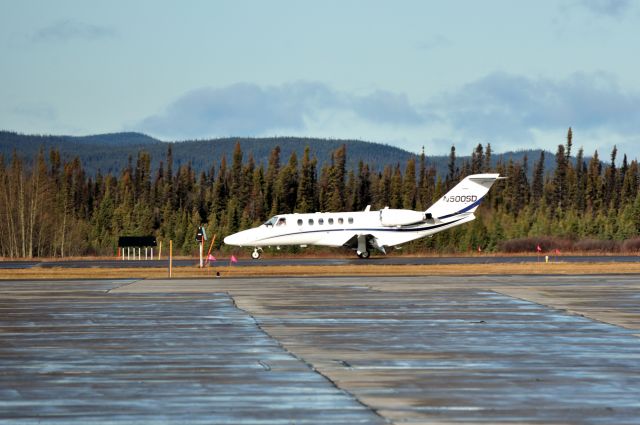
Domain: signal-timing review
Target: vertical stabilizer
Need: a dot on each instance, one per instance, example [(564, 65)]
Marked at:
[(465, 197)]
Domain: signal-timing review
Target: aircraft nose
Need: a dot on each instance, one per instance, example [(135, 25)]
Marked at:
[(232, 239), (240, 239)]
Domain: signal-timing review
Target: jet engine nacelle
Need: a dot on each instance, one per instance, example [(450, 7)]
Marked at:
[(393, 217)]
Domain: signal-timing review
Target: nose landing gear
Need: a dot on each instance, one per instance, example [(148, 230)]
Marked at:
[(256, 253)]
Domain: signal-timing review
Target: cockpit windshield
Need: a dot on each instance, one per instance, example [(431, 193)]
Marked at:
[(271, 221), (276, 221)]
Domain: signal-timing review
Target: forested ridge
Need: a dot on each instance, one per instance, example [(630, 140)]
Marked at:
[(109, 153), (51, 206)]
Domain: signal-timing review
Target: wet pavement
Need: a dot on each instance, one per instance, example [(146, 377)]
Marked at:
[(71, 352), (512, 349)]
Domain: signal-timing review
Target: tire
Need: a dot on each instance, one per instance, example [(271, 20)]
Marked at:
[(364, 254), (255, 254)]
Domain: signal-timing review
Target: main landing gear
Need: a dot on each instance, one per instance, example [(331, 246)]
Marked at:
[(363, 254), (363, 247), (256, 253)]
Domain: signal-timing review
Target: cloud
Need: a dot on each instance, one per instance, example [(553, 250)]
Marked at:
[(68, 29), (387, 107), (506, 106), (509, 111), (609, 8), (251, 110)]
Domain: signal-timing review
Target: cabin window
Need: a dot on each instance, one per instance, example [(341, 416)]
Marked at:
[(321, 221), (340, 220), (330, 221), (350, 220), (310, 222), (299, 222)]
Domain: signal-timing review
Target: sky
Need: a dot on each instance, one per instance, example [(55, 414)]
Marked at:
[(413, 74)]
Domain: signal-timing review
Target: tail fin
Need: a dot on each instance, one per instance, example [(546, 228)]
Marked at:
[(464, 197)]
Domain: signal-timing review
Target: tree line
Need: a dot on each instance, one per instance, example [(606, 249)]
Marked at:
[(53, 208)]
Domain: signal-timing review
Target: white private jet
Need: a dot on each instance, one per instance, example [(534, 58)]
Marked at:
[(363, 230)]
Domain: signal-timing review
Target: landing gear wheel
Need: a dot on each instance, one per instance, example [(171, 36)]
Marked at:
[(363, 254), (255, 254)]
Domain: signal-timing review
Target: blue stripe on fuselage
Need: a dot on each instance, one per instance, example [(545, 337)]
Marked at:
[(376, 229)]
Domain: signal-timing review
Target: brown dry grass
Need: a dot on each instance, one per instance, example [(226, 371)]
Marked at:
[(342, 270)]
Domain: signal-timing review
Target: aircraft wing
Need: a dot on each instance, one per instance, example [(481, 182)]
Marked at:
[(351, 242)]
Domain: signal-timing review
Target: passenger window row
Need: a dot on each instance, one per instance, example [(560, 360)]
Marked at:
[(340, 220)]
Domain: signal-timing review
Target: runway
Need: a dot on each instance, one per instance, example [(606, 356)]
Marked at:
[(300, 261), (506, 349)]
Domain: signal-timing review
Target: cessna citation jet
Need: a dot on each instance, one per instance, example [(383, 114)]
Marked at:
[(363, 230)]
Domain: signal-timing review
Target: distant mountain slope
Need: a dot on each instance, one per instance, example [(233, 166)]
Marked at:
[(19, 141), (110, 153)]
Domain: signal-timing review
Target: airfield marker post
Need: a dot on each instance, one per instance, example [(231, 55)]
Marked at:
[(211, 246), (170, 256), (160, 251), (201, 236)]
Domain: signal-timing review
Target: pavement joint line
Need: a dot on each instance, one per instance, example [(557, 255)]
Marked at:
[(552, 307), (561, 309), (131, 282), (306, 363)]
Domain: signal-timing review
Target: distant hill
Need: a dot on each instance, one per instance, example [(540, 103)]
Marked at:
[(110, 153), (107, 152)]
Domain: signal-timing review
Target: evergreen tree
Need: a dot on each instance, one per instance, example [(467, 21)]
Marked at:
[(477, 160), (630, 184), (569, 144), (409, 185), (256, 205), (487, 159), (559, 197), (236, 181), (363, 190), (395, 194), (594, 184), (273, 169), (306, 197), (579, 192), (336, 182), (287, 186), (452, 174), (609, 199)]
